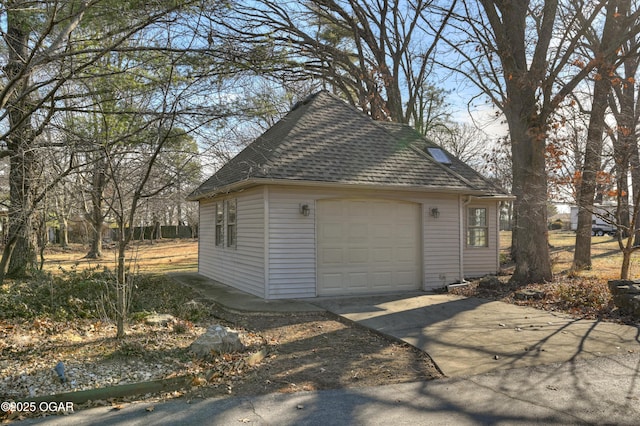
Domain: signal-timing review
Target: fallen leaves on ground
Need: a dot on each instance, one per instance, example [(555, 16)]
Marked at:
[(579, 297), (284, 354)]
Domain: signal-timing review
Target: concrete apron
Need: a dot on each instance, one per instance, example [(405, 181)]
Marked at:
[(468, 336)]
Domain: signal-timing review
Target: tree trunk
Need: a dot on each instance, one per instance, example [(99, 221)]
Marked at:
[(96, 216), (590, 168), (626, 264), (627, 244), (122, 287), (7, 253), (42, 236), (592, 157), (180, 198), (524, 68), (635, 182), (17, 259), (625, 145), (530, 234), (23, 255), (64, 232), (157, 230)]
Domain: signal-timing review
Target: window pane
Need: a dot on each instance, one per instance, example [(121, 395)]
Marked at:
[(231, 235), (231, 212), (219, 224), (231, 223), (477, 237), (219, 213), (477, 217)]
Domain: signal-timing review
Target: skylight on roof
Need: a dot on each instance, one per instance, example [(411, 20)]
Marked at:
[(439, 155)]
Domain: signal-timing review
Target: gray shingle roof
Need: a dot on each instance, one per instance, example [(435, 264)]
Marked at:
[(323, 139)]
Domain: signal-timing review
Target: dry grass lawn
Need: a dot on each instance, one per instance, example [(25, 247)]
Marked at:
[(182, 255), (142, 256), (605, 253)]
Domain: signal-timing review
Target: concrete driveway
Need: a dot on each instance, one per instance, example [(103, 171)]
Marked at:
[(464, 336), (468, 336)]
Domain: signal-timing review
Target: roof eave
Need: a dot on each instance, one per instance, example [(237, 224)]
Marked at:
[(236, 186), (245, 184), (498, 197)]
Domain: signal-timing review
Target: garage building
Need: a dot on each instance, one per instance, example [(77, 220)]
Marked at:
[(328, 202)]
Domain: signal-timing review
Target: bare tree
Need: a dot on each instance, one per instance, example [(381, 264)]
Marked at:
[(518, 54), (565, 152), (160, 114), (465, 141), (605, 54), (624, 103), (378, 55), (45, 50)]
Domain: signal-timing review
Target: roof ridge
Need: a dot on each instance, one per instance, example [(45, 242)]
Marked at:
[(306, 100)]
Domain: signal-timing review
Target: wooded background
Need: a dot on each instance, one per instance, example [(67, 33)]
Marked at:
[(112, 111)]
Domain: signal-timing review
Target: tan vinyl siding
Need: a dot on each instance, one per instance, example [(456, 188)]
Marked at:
[(276, 254), (479, 261), (241, 266), (441, 242), (206, 236), (292, 254)]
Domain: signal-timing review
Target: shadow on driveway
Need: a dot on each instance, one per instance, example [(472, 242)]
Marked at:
[(468, 336)]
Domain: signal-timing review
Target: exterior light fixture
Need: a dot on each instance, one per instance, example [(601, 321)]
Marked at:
[(434, 213), (304, 209)]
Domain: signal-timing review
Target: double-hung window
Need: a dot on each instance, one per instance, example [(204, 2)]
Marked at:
[(226, 223), (219, 223), (231, 222), (477, 229)]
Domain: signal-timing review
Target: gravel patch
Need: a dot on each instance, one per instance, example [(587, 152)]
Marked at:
[(93, 358)]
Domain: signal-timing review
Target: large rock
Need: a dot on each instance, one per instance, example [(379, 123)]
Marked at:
[(490, 282), (217, 340), (626, 296)]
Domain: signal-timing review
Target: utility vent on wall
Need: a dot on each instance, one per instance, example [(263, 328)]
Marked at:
[(439, 155)]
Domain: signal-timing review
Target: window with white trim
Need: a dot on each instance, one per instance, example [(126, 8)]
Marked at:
[(477, 229), (219, 223), (231, 222)]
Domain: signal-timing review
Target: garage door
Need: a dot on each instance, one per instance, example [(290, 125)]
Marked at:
[(368, 246)]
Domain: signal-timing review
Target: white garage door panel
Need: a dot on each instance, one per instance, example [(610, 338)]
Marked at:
[(358, 280), (405, 277), (332, 230), (405, 231), (358, 255), (368, 246), (406, 254), (333, 282), (381, 232), (381, 278), (381, 255), (332, 256)]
